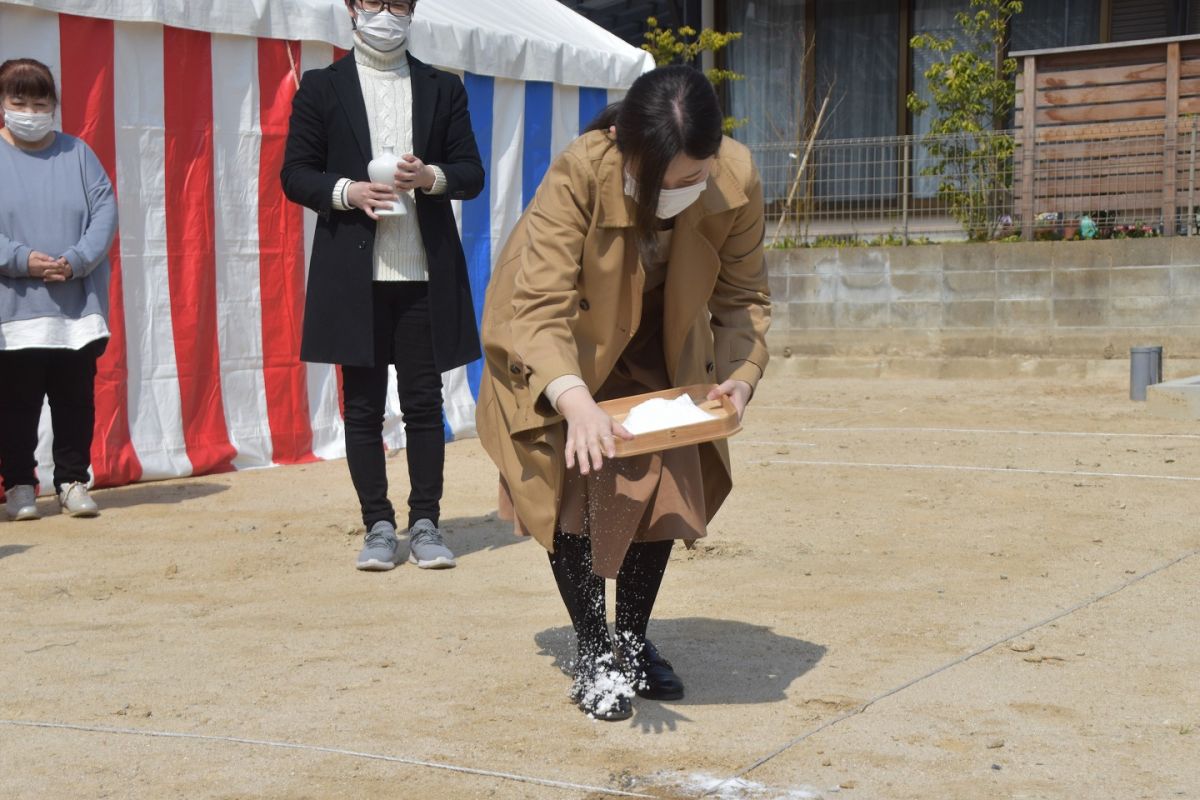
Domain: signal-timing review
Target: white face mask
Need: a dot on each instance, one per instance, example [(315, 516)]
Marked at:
[(29, 127), (383, 30), (671, 202)]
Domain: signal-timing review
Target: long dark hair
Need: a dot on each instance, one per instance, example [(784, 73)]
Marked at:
[(668, 111)]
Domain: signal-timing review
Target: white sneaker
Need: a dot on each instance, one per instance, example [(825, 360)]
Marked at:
[(21, 503), (75, 500)]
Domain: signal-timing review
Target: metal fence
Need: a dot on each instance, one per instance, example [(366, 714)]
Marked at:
[(991, 185)]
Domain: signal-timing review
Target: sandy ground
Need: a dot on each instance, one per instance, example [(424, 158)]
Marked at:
[(833, 630)]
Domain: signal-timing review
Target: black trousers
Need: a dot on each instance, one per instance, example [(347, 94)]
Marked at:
[(403, 338), (68, 379), (582, 592)]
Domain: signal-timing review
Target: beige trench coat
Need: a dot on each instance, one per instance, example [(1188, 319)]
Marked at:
[(566, 296)]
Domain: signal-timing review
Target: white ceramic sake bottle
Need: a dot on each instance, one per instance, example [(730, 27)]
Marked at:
[(382, 169)]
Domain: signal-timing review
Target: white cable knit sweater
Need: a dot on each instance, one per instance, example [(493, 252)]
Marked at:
[(387, 94)]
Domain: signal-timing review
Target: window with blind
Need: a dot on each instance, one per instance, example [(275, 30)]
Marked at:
[(1142, 19), (1056, 23)]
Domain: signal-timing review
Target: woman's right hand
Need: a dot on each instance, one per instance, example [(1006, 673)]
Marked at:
[(591, 434), (48, 268), (370, 196)]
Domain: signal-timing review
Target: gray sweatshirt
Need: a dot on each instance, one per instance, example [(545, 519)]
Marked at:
[(58, 201)]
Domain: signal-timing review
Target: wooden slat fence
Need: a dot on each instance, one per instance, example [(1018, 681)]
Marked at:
[(1110, 129)]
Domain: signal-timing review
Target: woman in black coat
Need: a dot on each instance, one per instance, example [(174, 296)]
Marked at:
[(387, 290)]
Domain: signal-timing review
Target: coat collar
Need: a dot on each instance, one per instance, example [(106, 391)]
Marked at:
[(350, 95), (425, 96), (723, 193)]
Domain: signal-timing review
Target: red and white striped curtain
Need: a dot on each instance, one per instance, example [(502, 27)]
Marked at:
[(202, 372)]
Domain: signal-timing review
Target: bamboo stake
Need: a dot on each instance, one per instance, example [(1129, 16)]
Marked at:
[(812, 138)]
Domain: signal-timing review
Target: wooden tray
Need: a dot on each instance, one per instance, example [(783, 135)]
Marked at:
[(724, 424)]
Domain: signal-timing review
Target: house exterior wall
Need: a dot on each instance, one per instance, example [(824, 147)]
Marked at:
[(860, 50)]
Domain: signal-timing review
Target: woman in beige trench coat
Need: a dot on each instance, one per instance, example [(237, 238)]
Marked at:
[(637, 267)]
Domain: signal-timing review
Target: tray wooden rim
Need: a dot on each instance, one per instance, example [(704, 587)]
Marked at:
[(724, 425)]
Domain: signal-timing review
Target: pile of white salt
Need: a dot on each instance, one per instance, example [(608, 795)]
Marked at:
[(603, 687), (658, 414)]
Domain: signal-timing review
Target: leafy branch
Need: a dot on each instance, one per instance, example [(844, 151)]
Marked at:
[(972, 90), (684, 45)]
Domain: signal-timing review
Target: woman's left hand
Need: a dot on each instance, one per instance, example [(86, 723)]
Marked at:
[(61, 272), (48, 268), (412, 173), (738, 393)]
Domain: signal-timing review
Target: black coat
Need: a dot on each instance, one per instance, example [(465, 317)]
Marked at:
[(328, 139)]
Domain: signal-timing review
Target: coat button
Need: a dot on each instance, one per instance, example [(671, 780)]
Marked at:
[(362, 245), (584, 305), (708, 367)]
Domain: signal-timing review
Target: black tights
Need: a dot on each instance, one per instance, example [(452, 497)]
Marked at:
[(582, 592)]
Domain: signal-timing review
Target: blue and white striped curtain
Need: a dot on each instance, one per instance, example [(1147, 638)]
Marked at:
[(520, 127)]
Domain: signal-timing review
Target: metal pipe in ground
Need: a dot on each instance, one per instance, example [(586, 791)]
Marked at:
[(1145, 369)]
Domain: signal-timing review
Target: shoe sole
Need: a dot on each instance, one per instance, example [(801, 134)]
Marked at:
[(441, 562), (612, 715), (619, 716), (25, 516), (82, 514), (375, 565), (662, 696)]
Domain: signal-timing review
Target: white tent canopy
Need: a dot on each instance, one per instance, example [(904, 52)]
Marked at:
[(529, 40), (186, 103)]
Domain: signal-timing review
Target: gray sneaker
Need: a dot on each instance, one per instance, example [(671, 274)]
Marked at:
[(21, 503), (381, 548), (426, 548), (74, 499)]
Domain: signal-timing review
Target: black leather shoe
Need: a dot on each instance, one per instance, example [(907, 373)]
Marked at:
[(652, 676), (601, 691)]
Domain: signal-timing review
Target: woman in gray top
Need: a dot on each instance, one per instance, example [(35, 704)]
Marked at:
[(58, 217)]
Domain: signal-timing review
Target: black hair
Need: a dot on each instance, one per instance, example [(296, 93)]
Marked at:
[(25, 77), (668, 111)]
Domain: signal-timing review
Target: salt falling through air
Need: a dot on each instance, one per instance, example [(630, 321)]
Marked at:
[(658, 414)]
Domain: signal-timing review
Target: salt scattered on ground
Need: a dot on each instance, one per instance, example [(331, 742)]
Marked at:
[(726, 788), (658, 414)]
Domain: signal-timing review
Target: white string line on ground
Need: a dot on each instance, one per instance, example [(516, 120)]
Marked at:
[(961, 468), (950, 665), (412, 762), (772, 443), (1012, 432)]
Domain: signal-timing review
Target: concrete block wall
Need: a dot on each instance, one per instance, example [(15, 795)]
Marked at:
[(1043, 299)]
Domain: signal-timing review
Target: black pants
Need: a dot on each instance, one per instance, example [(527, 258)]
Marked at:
[(68, 379), (403, 337), (582, 592)]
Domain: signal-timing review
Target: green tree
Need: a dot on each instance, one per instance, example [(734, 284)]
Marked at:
[(684, 45), (972, 90)]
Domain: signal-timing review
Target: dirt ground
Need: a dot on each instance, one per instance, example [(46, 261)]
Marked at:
[(907, 596)]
